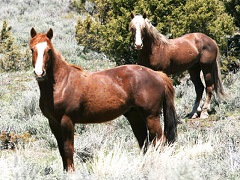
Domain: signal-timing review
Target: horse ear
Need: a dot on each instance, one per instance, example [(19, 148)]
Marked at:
[(144, 15), (132, 15), (33, 33), (50, 33)]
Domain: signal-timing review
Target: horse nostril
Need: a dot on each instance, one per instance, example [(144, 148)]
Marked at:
[(40, 74), (43, 73), (138, 46)]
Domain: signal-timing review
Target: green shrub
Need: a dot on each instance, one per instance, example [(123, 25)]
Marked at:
[(232, 61), (11, 57), (106, 27)]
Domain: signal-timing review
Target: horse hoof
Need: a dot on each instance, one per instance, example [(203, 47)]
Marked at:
[(194, 116), (204, 115)]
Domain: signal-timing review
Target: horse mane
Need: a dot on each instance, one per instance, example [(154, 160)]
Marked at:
[(155, 34), (57, 53), (77, 67)]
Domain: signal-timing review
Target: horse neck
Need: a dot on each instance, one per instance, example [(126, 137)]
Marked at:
[(57, 71), (154, 37), (151, 43), (148, 44), (60, 66)]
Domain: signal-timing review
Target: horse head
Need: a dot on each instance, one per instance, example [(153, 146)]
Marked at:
[(41, 48), (138, 26)]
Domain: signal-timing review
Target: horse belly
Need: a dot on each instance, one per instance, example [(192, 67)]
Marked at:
[(176, 67), (103, 108), (101, 115)]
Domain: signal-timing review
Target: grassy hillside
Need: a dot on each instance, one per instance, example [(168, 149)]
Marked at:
[(206, 149)]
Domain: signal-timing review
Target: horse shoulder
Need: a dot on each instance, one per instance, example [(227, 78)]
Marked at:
[(69, 91)]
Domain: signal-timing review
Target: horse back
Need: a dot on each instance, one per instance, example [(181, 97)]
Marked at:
[(199, 41), (144, 86), (186, 51)]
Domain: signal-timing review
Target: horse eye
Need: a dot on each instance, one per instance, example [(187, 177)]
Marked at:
[(144, 30), (133, 31), (32, 50)]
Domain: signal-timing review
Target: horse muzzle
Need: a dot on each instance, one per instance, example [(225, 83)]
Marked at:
[(138, 47), (40, 76)]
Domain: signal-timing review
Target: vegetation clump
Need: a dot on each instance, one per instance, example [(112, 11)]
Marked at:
[(9, 140), (11, 57), (105, 28)]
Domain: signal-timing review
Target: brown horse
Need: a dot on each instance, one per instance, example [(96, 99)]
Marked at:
[(69, 95), (194, 52)]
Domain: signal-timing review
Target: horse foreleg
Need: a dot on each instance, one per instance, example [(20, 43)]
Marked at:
[(64, 135), (67, 129), (56, 130)]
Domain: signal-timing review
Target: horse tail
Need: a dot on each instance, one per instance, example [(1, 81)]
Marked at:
[(218, 87), (169, 112)]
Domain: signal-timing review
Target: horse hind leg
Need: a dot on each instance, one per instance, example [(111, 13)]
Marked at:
[(208, 77), (139, 127), (156, 134), (199, 88)]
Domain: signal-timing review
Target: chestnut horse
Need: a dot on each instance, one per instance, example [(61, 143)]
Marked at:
[(70, 95), (194, 52)]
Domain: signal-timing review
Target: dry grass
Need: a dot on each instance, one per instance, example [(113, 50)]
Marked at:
[(210, 152)]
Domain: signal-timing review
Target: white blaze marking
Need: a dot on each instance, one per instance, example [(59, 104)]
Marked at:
[(138, 41), (39, 63), (138, 24)]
